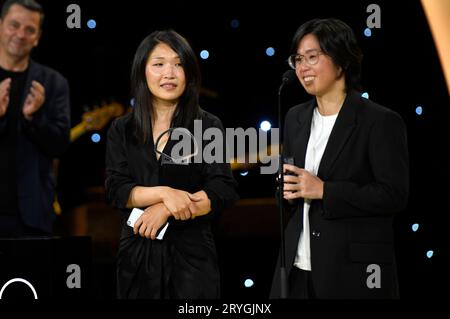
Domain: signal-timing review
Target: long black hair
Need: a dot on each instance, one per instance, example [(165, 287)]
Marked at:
[(337, 40), (188, 105)]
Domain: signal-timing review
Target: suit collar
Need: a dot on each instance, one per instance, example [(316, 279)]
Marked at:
[(342, 130)]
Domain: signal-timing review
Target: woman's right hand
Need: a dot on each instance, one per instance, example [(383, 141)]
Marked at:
[(153, 218), (177, 202)]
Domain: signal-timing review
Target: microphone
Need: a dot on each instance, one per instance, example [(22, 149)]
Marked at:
[(289, 76)]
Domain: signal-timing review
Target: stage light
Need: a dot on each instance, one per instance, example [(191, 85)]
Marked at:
[(91, 24), (415, 227), (265, 126), (96, 138), (244, 173), (270, 51), (204, 54), (430, 253), (419, 110), (248, 283), (234, 23), (365, 95), (368, 32)]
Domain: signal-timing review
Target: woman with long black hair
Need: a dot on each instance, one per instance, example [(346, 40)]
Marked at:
[(141, 173)]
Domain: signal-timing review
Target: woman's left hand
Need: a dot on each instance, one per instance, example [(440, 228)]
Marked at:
[(302, 185), (200, 205), (153, 218)]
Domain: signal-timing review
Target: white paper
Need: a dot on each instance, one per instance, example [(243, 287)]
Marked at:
[(136, 213)]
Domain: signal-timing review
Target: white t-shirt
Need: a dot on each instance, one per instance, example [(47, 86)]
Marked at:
[(321, 127)]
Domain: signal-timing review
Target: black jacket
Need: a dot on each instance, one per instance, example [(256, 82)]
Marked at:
[(38, 141), (365, 168)]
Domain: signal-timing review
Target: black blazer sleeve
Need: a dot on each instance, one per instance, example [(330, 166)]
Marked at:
[(118, 183), (388, 156), (50, 127)]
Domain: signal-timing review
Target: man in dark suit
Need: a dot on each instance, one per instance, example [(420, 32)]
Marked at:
[(34, 123), (350, 174)]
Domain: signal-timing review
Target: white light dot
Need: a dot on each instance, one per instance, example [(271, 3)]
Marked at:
[(367, 32), (96, 138), (248, 283), (270, 51), (419, 110), (244, 173), (265, 126), (430, 253), (365, 95), (91, 24), (204, 54), (415, 227)]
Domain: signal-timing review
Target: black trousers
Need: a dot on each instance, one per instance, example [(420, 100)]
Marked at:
[(300, 284)]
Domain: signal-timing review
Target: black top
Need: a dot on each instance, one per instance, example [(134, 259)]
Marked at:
[(129, 164), (184, 263), (8, 142)]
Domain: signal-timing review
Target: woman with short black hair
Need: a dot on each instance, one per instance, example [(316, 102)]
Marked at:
[(350, 174)]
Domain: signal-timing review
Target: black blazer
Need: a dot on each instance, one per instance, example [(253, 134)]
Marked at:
[(365, 168), (40, 140)]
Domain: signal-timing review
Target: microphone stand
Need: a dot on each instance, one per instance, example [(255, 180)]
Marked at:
[(283, 277)]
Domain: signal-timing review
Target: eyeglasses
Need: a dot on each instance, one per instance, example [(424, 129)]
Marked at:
[(311, 58)]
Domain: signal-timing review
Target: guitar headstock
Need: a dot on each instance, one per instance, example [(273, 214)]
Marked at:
[(99, 117)]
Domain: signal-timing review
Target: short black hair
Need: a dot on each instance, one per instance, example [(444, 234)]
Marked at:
[(188, 107), (28, 4), (337, 40)]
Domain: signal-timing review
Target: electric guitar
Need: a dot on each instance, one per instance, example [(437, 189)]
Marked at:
[(96, 119)]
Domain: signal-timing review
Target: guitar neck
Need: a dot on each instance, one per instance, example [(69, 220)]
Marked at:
[(77, 131), (96, 119)]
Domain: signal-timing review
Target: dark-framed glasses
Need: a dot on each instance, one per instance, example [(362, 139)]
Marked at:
[(311, 58)]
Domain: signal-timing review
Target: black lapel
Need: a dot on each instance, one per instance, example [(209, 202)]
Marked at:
[(342, 130), (301, 133)]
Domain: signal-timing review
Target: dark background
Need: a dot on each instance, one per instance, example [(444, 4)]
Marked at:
[(401, 70)]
